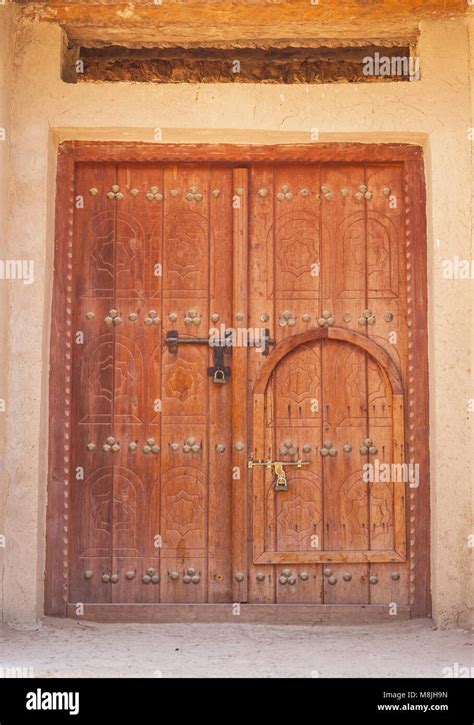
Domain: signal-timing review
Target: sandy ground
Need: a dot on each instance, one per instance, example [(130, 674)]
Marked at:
[(68, 648)]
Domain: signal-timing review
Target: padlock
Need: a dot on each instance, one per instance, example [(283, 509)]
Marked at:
[(219, 377)]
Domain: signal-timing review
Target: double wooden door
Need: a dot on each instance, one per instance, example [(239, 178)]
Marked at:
[(175, 444)]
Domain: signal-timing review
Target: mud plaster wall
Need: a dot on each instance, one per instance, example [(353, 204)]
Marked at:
[(6, 68), (435, 112), (471, 393)]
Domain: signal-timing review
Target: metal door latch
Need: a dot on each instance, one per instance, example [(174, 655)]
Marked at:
[(219, 372), (281, 484)]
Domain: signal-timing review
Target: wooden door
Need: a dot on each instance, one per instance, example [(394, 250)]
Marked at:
[(314, 267), (150, 431), (328, 276)]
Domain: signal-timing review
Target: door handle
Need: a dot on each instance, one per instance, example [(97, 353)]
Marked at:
[(281, 483)]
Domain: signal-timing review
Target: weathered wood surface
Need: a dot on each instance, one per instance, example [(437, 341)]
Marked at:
[(193, 21), (248, 613)]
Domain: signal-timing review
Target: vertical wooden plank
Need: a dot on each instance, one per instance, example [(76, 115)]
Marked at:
[(239, 385), (346, 516), (390, 581), (382, 514), (298, 511), (400, 488), (296, 247), (297, 515), (220, 396), (344, 398), (386, 300), (260, 481), (92, 388), (380, 431), (343, 251), (152, 180), (138, 368), (386, 260), (296, 429), (261, 317), (185, 386), (346, 500)]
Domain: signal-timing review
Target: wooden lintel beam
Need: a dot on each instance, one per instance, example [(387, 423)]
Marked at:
[(245, 13), (245, 23)]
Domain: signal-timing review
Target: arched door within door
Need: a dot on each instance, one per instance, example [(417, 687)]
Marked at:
[(328, 411)]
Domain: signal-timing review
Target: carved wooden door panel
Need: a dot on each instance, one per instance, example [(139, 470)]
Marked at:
[(328, 276), (150, 435)]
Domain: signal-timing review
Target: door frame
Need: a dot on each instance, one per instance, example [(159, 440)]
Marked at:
[(71, 153)]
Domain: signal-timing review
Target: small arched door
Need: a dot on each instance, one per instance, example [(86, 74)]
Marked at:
[(332, 399)]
